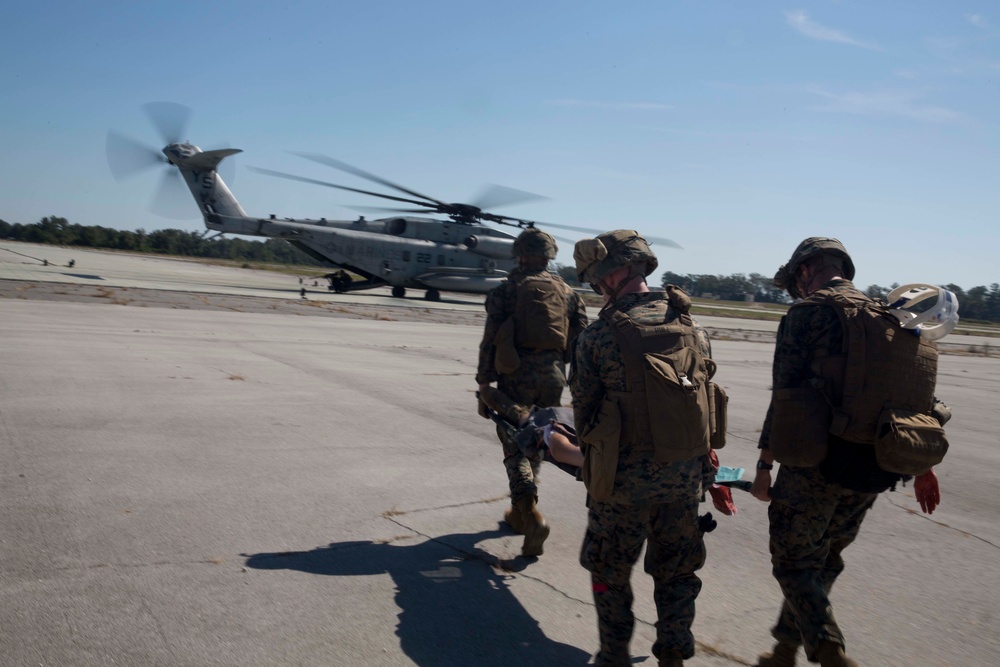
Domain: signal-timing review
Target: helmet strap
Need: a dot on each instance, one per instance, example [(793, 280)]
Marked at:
[(820, 271), (634, 271)]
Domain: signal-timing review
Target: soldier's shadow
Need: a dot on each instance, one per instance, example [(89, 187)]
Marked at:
[(457, 608)]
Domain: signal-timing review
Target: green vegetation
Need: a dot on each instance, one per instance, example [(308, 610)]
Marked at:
[(737, 287), (979, 304), (58, 231), (754, 296)]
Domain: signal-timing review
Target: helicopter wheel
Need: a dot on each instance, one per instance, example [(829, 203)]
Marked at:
[(433, 295), (399, 292)]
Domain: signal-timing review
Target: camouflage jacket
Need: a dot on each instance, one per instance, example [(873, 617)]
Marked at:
[(598, 365), (500, 303)]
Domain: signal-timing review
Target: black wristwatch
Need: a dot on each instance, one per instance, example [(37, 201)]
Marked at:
[(764, 466)]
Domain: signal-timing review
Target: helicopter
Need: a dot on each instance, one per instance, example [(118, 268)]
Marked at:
[(461, 253)]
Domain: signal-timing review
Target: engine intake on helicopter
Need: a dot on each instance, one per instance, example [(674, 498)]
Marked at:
[(494, 248)]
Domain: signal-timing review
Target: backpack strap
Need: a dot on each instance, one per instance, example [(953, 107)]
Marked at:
[(681, 302)]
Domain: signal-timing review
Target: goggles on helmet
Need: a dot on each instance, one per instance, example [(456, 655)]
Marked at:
[(930, 311)]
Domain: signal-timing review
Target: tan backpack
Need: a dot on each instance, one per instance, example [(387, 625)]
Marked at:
[(879, 391), (671, 403), (540, 312)]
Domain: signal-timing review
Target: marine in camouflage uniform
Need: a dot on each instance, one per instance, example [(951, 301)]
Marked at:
[(651, 502), (815, 512), (538, 380), (812, 520)]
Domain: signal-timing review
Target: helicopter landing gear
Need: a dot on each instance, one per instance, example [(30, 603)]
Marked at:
[(433, 295), (339, 282), (399, 292)]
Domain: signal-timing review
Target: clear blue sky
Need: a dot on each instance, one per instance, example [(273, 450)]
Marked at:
[(735, 128)]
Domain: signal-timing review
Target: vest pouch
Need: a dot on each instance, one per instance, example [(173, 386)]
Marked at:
[(717, 412), (506, 359), (800, 426), (678, 404), (600, 460), (909, 443)]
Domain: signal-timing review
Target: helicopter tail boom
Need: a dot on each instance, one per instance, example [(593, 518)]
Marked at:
[(209, 190)]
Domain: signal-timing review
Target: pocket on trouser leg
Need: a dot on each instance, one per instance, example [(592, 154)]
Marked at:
[(676, 545), (598, 547)]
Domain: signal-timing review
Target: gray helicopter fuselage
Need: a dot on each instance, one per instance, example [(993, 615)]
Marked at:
[(401, 251)]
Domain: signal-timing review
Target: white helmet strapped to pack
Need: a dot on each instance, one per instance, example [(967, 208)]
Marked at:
[(931, 319)]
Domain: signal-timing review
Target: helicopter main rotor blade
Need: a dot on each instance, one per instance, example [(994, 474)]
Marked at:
[(313, 181), (563, 239), (508, 220), (586, 230), (127, 157), (343, 166), (385, 209), (169, 118), (495, 196)]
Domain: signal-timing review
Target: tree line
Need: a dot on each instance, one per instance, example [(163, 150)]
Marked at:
[(59, 231), (978, 303)]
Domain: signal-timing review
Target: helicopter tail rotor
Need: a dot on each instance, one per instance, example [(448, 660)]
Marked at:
[(170, 120), (171, 199), (128, 158)]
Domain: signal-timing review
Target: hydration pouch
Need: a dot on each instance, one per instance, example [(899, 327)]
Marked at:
[(717, 411), (909, 443), (600, 460), (800, 426), (678, 403)]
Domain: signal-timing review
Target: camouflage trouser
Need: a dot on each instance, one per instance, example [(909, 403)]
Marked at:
[(812, 522), (675, 550), (539, 381)]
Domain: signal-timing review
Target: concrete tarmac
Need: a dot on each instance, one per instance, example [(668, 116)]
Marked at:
[(213, 487)]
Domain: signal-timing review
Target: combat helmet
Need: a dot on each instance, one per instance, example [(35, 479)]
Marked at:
[(596, 258), (535, 243), (811, 247)]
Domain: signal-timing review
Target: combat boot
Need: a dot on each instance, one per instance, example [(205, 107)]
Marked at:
[(615, 658), (514, 518), (831, 654), (782, 655), (535, 529)]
